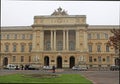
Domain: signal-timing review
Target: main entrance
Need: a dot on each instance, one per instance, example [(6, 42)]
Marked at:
[(72, 62), (5, 61), (59, 62), (46, 61)]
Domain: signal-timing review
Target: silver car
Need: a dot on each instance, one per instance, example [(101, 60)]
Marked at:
[(75, 68)]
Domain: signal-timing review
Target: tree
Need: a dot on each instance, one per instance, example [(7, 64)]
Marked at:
[(115, 42)]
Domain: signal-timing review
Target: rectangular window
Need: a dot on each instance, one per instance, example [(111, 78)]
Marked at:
[(30, 36), (107, 48), (89, 36), (15, 36), (23, 36), (98, 36), (30, 48), (90, 59), (108, 59), (8, 36), (98, 48), (6, 48), (14, 58), (14, 48), (90, 48), (22, 48), (106, 36), (99, 58), (22, 58), (29, 58)]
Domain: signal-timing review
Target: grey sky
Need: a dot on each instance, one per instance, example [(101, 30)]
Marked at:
[(21, 13)]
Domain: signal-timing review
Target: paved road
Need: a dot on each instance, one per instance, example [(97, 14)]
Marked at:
[(97, 77)]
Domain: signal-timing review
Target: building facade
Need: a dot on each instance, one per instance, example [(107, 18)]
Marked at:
[(59, 39)]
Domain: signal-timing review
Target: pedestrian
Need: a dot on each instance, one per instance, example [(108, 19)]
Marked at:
[(22, 67), (53, 68)]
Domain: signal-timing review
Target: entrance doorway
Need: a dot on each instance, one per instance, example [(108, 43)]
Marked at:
[(59, 62), (5, 61), (72, 62), (46, 61), (117, 61)]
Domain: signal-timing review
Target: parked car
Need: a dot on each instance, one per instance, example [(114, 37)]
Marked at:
[(75, 68), (114, 68), (83, 68), (47, 67), (31, 67), (80, 68), (12, 67)]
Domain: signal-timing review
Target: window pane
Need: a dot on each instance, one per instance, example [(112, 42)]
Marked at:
[(22, 58)]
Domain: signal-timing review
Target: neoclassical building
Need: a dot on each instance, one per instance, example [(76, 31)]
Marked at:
[(59, 39)]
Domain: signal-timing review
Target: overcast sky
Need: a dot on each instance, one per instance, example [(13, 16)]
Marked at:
[(21, 13)]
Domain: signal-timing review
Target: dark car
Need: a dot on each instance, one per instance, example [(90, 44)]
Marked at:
[(115, 68)]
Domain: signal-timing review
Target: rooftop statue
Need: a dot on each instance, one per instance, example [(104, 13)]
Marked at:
[(59, 11)]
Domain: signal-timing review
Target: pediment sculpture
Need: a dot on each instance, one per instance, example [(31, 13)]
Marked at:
[(58, 12)]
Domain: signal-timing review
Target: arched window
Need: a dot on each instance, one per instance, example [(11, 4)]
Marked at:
[(71, 45)]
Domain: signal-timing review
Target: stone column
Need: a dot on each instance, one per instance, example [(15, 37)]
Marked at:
[(34, 40), (85, 40), (67, 40), (77, 40), (41, 40), (54, 39), (63, 39), (51, 39)]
